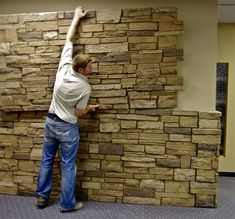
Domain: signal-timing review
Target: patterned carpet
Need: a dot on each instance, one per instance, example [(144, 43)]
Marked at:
[(21, 207)]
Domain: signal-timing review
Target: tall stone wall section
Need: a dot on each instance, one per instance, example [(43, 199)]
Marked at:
[(136, 148)]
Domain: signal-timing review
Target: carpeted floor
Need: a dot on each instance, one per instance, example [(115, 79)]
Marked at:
[(21, 207)]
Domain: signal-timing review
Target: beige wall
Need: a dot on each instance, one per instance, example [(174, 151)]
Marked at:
[(226, 53), (199, 44)]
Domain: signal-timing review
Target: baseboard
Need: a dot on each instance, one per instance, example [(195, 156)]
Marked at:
[(229, 174)]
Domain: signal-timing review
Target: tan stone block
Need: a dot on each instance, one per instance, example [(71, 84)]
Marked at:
[(9, 140), (112, 186), (208, 201), (150, 125), (110, 127), (11, 35), (22, 50), (167, 101), (164, 16), (188, 121), (155, 149), (109, 148), (138, 147), (3, 62), (206, 176), (136, 159), (27, 166), (102, 198), (9, 188), (122, 39), (46, 16), (118, 27), (215, 163), (89, 41), (145, 58), (180, 137), (143, 39), (139, 192), (108, 192), (41, 26), (181, 148), (136, 12), (162, 173), (132, 182), (206, 139), (89, 166), (109, 93), (47, 49), (190, 202), (143, 46), (4, 48), (139, 164), (136, 117), (210, 115), (128, 124), (206, 131), (184, 174), (200, 163), (9, 19), (105, 48), (185, 161), (108, 15), (203, 188), (50, 35), (91, 185), (8, 152), (8, 164), (184, 113), (155, 184), (94, 148), (138, 95), (6, 176), (156, 138), (113, 157), (141, 200), (36, 154), (171, 26), (143, 26), (176, 187), (23, 179), (112, 166), (139, 104), (167, 42), (19, 60), (92, 27), (110, 69), (209, 124)]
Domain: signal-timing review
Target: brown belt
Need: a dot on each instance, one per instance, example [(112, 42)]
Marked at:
[(55, 117)]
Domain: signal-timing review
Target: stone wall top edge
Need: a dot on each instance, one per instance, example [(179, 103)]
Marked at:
[(155, 9)]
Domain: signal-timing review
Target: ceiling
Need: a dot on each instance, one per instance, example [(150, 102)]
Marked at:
[(226, 11)]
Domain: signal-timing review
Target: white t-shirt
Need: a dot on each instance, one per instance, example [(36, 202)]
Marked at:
[(71, 88)]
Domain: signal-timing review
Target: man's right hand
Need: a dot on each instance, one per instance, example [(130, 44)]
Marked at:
[(80, 12)]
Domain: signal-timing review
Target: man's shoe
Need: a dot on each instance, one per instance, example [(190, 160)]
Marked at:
[(42, 202), (78, 206)]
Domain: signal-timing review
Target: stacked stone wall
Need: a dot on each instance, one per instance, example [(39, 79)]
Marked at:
[(136, 148)]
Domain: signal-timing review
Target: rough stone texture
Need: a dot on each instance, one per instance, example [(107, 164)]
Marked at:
[(136, 148)]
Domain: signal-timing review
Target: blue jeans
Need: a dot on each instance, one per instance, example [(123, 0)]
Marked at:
[(67, 136)]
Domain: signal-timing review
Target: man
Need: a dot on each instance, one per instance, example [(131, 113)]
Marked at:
[(70, 96)]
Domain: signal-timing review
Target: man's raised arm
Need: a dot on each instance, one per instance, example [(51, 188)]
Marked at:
[(78, 14)]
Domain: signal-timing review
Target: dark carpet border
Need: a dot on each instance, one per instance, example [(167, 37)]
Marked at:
[(228, 174)]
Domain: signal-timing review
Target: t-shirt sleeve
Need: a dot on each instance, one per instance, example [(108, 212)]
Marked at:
[(82, 103), (66, 55)]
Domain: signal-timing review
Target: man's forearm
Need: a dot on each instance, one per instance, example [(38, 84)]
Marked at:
[(72, 29), (78, 14)]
